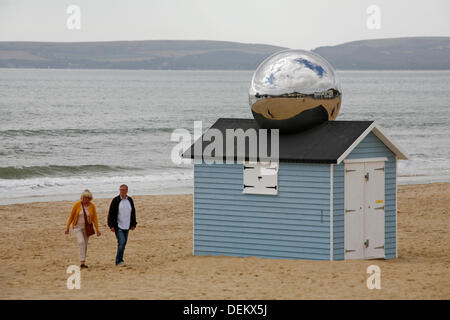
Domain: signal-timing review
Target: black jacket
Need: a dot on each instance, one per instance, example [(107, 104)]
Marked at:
[(114, 211)]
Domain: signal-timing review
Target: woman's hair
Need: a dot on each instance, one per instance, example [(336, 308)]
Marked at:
[(86, 193)]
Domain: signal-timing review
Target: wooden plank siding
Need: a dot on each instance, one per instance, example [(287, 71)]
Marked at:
[(370, 147), (293, 224)]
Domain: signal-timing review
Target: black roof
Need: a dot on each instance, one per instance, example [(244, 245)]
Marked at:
[(324, 143)]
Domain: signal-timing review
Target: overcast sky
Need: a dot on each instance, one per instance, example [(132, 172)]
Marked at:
[(288, 23)]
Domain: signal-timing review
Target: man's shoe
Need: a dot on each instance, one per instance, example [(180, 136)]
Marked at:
[(120, 264), (83, 266)]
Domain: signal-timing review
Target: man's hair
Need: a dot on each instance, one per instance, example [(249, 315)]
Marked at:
[(123, 185)]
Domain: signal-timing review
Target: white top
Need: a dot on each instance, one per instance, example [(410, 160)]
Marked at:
[(80, 223), (124, 216)]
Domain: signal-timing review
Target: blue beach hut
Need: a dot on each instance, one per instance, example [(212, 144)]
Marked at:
[(332, 195)]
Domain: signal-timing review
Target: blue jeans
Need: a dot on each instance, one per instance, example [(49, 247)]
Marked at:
[(122, 237)]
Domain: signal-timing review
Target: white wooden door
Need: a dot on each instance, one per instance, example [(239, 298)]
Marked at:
[(354, 211), (364, 210), (374, 213)]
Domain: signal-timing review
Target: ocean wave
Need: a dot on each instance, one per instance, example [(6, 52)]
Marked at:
[(82, 132), (55, 171), (51, 188)]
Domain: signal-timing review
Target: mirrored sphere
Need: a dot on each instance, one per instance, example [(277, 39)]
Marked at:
[(294, 90)]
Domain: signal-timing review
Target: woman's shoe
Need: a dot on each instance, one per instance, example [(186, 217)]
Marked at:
[(83, 266)]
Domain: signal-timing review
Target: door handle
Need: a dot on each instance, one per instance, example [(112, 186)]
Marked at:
[(380, 208), (347, 211)]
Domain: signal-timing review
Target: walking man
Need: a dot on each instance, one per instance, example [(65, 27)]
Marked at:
[(121, 218)]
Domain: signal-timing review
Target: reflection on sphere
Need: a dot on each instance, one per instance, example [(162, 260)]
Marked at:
[(294, 90)]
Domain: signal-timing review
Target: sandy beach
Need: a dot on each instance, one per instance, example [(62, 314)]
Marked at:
[(35, 254)]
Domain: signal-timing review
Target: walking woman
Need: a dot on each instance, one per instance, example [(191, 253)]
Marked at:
[(77, 219)]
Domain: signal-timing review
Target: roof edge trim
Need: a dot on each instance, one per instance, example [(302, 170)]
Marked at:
[(355, 143), (394, 147), (380, 134)]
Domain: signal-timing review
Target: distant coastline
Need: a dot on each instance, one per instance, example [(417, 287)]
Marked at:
[(413, 53)]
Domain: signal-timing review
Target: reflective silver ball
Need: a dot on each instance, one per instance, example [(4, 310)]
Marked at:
[(294, 90)]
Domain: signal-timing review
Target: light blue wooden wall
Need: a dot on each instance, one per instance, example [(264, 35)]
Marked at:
[(293, 224), (370, 147)]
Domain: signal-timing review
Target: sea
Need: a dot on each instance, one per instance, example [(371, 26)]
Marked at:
[(63, 131)]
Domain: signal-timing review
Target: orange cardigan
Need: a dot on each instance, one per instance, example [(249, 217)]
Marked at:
[(73, 219)]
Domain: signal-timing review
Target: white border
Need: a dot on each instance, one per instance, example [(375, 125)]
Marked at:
[(399, 152), (331, 211), (355, 143), (395, 148)]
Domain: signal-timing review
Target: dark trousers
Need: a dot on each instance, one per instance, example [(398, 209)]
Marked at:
[(122, 237)]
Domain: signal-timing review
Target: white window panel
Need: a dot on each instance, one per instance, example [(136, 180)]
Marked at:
[(261, 178)]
